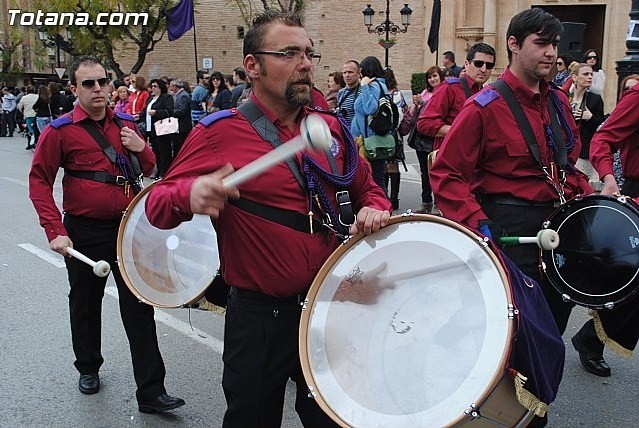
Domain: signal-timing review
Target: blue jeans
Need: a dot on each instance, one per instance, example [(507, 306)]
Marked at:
[(42, 122)]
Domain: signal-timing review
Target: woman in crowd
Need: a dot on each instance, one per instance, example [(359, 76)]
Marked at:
[(159, 106), (598, 76), (423, 143), (122, 103), (335, 83), (588, 111), (219, 94), (563, 72), (138, 99), (42, 108), (372, 86)]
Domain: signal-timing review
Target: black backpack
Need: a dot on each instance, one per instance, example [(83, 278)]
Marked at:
[(386, 118)]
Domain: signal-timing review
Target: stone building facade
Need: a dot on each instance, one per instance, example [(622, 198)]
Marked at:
[(338, 29)]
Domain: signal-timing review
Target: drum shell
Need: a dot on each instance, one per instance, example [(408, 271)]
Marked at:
[(496, 398), (596, 264), (166, 268)]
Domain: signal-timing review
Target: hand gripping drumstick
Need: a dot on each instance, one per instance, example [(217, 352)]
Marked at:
[(546, 239), (100, 268), (314, 134)]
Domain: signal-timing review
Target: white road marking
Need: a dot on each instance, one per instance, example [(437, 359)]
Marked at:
[(160, 316), (56, 261), (180, 326), (13, 180)]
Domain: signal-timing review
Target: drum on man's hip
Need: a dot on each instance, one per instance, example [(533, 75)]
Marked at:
[(166, 268), (411, 326)]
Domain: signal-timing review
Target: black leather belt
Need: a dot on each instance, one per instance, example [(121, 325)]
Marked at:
[(100, 176), (265, 298), (503, 199), (288, 218)]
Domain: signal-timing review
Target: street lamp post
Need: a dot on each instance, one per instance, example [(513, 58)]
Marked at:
[(53, 49), (387, 27), (630, 63)]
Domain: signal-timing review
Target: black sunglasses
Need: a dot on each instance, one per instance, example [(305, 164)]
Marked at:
[(560, 63), (479, 64), (90, 83), (591, 57)]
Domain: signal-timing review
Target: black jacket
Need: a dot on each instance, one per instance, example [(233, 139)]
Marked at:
[(163, 107), (182, 111)]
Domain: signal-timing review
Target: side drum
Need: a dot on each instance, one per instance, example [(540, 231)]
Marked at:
[(410, 327), (166, 268), (597, 261)]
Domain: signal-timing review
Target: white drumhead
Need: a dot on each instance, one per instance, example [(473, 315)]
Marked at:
[(406, 327), (166, 268)]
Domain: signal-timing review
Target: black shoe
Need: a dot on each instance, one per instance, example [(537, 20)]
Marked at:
[(593, 362), (89, 383), (161, 403)]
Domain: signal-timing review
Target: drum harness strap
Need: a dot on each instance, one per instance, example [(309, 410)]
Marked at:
[(313, 172), (554, 136), (130, 169)]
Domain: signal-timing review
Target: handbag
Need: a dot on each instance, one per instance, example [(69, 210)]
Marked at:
[(379, 146), (417, 140), (166, 126)]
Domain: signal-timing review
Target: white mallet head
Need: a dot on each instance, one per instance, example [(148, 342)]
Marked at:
[(315, 132)]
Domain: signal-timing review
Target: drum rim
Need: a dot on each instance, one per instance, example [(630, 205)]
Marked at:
[(548, 257), (120, 256), (310, 378)]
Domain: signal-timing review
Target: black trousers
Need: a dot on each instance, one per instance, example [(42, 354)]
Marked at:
[(518, 220), (162, 147), (97, 240), (8, 123), (178, 140), (427, 191), (260, 355)]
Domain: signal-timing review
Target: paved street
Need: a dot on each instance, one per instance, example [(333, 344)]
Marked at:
[(38, 383)]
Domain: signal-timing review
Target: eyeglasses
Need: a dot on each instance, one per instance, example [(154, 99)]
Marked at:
[(559, 63), (290, 55), (155, 85), (591, 57), (215, 78), (479, 64), (90, 83)]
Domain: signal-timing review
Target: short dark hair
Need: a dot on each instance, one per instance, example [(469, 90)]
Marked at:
[(338, 78), (391, 81), (371, 67), (200, 74), (161, 84), (450, 55), (254, 37), (80, 61), (241, 73), (533, 21), (352, 61), (596, 67), (480, 47)]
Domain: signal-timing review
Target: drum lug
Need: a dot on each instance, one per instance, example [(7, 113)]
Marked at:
[(512, 312), (472, 412), (622, 199), (408, 213), (565, 297), (545, 224), (609, 305), (483, 241), (304, 303), (311, 392)]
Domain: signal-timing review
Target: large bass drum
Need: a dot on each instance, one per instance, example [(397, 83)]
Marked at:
[(410, 327), (597, 261), (166, 268)]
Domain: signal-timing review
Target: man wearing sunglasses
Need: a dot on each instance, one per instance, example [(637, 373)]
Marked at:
[(445, 104), (493, 175), (268, 262), (101, 153)]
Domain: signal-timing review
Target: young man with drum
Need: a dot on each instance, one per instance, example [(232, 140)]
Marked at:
[(96, 190), (617, 328), (268, 261), (486, 174)]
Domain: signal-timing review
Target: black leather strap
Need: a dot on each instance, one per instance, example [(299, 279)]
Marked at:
[(100, 176), (464, 83), (288, 218)]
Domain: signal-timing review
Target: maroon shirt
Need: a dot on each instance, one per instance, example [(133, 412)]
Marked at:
[(257, 254), (443, 107), (71, 146), (620, 131), (485, 153)]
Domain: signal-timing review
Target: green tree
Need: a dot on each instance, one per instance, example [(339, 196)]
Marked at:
[(105, 41)]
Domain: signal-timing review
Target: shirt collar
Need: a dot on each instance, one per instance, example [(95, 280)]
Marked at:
[(272, 117), (523, 92), (79, 114)]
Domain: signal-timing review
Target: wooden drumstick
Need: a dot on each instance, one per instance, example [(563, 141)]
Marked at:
[(100, 268), (546, 239), (315, 134)]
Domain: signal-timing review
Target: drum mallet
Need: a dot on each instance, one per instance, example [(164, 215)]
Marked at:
[(314, 133), (100, 268), (546, 239)]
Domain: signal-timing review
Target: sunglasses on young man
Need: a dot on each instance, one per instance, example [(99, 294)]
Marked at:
[(479, 64), (90, 83)]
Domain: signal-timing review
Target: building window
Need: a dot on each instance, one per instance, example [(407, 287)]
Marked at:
[(240, 32)]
